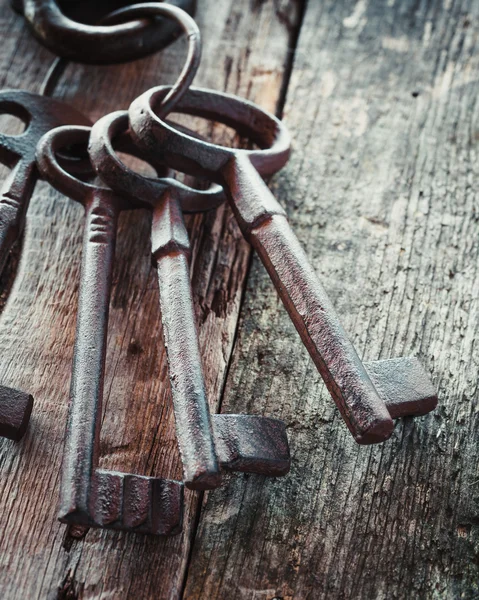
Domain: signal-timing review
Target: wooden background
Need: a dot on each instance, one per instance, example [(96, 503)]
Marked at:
[(381, 97)]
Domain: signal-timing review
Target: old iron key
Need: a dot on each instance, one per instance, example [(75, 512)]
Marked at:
[(368, 395), (18, 153), (101, 44), (235, 442), (89, 495)]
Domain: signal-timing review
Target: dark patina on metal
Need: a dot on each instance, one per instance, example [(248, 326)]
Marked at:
[(40, 114), (368, 396), (248, 443), (15, 410), (119, 41)]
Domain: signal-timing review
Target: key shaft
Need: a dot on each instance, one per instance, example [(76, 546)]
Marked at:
[(170, 251), (264, 224), (91, 496)]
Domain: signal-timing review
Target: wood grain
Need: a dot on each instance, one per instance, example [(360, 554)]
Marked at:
[(382, 105), (246, 51)]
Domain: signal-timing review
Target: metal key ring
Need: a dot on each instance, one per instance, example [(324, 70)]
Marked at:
[(192, 60), (103, 44), (70, 185)]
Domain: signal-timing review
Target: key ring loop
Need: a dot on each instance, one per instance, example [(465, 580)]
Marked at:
[(192, 60), (197, 157), (101, 44), (193, 57), (174, 94)]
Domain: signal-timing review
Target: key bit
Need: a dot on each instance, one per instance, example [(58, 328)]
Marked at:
[(252, 444), (18, 152), (363, 400), (404, 385), (198, 434), (149, 505)]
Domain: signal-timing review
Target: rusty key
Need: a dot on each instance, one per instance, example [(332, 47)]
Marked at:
[(18, 153), (89, 495), (101, 44), (368, 395), (235, 442)]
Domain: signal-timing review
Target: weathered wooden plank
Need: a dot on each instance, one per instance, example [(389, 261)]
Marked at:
[(245, 51), (383, 108)]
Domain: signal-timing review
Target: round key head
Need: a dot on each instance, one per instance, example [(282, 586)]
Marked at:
[(197, 157), (54, 172), (40, 115), (131, 35), (147, 190)]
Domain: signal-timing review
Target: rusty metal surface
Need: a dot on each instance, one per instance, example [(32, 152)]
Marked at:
[(252, 444), (39, 114), (131, 33), (264, 224), (404, 386), (247, 447)]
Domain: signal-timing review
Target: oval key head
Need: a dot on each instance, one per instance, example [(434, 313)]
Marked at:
[(51, 169), (197, 157), (102, 44)]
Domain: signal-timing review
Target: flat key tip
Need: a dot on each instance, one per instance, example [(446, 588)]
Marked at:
[(15, 410)]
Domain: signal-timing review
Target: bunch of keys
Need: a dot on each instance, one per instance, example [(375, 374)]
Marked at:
[(40, 113), (369, 395)]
